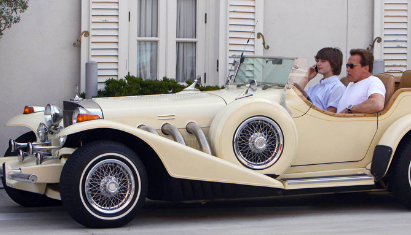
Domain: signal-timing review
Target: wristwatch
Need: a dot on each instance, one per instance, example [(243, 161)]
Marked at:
[(349, 108)]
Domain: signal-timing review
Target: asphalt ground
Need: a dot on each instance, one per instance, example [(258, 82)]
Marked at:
[(351, 213)]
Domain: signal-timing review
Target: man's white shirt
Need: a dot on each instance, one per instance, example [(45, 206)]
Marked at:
[(357, 93)]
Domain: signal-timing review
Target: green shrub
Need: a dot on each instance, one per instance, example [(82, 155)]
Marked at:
[(130, 85)]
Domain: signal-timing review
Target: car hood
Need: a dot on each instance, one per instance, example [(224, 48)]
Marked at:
[(178, 109)]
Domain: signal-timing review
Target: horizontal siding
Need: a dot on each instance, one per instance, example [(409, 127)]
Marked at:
[(395, 44), (104, 38)]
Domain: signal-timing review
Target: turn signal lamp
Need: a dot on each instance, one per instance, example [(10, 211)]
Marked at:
[(81, 115), (32, 109), (86, 117), (28, 110)]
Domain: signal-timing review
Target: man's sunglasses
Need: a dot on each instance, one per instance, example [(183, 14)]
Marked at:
[(351, 65)]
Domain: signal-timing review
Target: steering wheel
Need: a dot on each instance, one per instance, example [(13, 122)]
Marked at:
[(302, 91)]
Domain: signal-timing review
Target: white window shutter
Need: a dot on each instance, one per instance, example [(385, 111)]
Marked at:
[(107, 43), (245, 20), (393, 16)]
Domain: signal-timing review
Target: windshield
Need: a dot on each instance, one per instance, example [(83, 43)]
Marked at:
[(271, 71)]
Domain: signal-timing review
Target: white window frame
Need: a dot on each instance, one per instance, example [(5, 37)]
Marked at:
[(166, 39)]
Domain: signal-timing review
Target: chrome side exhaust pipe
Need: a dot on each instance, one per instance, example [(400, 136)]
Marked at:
[(169, 129), (148, 128), (195, 129)]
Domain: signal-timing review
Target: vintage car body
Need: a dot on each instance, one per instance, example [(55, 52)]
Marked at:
[(240, 142)]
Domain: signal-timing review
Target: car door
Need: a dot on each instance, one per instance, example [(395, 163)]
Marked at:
[(338, 138)]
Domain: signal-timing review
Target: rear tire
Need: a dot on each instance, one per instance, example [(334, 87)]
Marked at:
[(401, 175), (24, 198), (103, 184)]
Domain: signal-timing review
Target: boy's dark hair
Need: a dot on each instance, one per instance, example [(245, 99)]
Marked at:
[(367, 58), (334, 56)]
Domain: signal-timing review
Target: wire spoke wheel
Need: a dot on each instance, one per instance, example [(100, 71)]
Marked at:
[(258, 142), (103, 184), (109, 186)]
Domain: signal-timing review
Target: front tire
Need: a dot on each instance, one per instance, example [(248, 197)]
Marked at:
[(401, 174), (103, 184)]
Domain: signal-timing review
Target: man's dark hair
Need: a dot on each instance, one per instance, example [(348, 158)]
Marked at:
[(334, 56), (367, 58)]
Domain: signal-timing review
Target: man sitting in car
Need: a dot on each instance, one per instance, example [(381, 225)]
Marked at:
[(365, 93)]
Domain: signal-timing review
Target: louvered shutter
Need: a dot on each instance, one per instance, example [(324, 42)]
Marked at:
[(245, 19), (395, 35), (104, 22)]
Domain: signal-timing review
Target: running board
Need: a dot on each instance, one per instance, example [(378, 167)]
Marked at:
[(330, 181)]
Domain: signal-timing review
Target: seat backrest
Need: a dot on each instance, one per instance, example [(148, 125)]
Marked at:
[(389, 84), (405, 79), (345, 81)]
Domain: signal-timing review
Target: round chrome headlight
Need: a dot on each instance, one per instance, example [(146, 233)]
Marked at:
[(53, 115), (42, 132)]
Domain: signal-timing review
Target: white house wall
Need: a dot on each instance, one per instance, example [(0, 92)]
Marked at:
[(300, 28), (38, 63)]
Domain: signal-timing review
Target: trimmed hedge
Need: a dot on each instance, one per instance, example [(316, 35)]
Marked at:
[(131, 85)]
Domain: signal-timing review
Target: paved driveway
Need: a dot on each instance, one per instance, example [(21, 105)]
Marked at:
[(356, 213)]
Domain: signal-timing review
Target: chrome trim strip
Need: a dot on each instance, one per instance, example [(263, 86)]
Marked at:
[(38, 109), (18, 176), (195, 129), (316, 180), (166, 117)]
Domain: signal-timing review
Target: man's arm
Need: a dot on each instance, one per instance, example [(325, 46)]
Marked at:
[(375, 103)]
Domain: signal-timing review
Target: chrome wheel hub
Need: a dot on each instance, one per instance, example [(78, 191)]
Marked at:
[(258, 142), (110, 186)]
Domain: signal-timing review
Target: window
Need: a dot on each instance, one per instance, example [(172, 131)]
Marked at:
[(147, 39), (186, 40)]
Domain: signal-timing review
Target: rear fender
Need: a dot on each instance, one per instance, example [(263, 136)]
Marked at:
[(182, 161), (384, 151)]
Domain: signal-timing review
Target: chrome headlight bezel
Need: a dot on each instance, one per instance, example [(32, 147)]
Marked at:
[(76, 112), (52, 115)]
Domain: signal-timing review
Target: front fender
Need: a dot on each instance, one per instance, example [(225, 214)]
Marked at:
[(384, 151), (31, 121), (182, 161)]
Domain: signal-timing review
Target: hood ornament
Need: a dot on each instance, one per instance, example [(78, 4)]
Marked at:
[(77, 95)]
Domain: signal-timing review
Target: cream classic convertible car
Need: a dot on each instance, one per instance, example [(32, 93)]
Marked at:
[(259, 137)]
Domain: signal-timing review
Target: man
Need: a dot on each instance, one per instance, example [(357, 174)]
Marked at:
[(365, 93), (328, 92)]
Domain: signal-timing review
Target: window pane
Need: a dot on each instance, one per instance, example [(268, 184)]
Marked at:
[(186, 18), (147, 60), (147, 18), (186, 61)]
